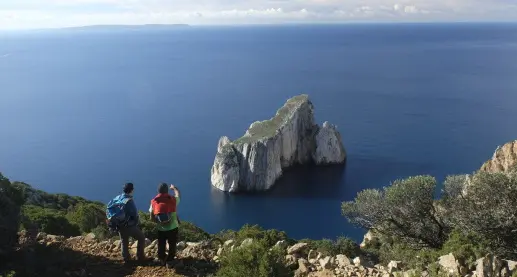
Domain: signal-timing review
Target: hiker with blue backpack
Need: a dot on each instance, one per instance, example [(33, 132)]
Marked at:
[(123, 218), (163, 212)]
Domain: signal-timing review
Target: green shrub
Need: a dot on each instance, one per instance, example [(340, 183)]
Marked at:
[(465, 247), (342, 245), (87, 216), (484, 204), (191, 233), (102, 232), (9, 274), (254, 260), (405, 210), (10, 201), (148, 226), (269, 237), (49, 221)]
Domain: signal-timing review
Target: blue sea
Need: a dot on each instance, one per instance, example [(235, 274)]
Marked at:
[(84, 111)]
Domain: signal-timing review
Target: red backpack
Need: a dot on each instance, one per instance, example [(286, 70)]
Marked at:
[(163, 205)]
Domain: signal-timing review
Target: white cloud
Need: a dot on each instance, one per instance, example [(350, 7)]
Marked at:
[(20, 14)]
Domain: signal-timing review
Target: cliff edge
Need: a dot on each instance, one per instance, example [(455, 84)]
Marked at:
[(503, 160), (255, 161)]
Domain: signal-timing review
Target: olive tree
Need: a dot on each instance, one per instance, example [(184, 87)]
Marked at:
[(485, 204), (405, 209)]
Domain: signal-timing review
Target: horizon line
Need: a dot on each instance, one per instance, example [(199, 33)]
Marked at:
[(150, 25)]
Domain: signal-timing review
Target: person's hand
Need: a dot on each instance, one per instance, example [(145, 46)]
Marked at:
[(172, 186)]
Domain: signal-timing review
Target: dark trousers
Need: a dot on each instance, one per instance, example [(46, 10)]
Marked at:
[(167, 236), (136, 233)]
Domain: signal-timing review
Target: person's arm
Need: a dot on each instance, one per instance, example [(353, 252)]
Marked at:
[(176, 191), (132, 211), (151, 212)]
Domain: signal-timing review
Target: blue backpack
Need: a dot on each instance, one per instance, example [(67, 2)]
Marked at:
[(116, 214)]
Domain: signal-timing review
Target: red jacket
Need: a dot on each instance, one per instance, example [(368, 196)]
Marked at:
[(163, 203)]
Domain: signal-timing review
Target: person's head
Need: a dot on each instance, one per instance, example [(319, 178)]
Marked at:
[(163, 188), (128, 188)]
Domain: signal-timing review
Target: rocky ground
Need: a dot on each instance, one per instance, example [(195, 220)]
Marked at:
[(84, 256)]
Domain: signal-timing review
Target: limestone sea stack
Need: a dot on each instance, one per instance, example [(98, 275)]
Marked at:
[(503, 160), (255, 161)]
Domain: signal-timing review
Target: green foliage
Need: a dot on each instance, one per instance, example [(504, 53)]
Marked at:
[(267, 128), (87, 216), (102, 232), (10, 201), (49, 221), (147, 226), (404, 210), (465, 247), (269, 237), (484, 204), (59, 201), (341, 245), (254, 260), (191, 233), (9, 274)]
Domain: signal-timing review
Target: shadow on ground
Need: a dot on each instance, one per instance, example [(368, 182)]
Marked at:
[(56, 260)]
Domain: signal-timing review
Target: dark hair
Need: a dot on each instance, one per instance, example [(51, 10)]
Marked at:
[(128, 187), (163, 188)]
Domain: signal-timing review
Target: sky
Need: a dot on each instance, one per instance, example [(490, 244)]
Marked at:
[(31, 14)]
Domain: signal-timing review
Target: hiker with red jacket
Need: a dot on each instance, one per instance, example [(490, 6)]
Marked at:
[(163, 212)]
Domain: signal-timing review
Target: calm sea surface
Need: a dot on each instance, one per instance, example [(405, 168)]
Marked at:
[(82, 112)]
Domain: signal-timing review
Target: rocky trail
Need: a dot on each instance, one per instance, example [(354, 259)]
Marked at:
[(49, 255), (85, 256)]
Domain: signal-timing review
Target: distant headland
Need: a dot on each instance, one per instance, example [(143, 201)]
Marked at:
[(128, 27)]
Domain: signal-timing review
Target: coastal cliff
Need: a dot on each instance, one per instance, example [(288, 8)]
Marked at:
[(255, 161), (503, 160)]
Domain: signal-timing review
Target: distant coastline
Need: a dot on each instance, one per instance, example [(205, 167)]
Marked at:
[(127, 27)]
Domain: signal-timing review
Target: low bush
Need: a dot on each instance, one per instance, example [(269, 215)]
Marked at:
[(87, 216), (341, 245), (48, 220), (268, 237), (254, 260)]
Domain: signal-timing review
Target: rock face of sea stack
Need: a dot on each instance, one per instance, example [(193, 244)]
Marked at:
[(255, 161), (503, 160)]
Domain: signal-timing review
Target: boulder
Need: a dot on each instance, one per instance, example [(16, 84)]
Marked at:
[(180, 246), (299, 248), (361, 261), (90, 237), (342, 261), (511, 265), (450, 264), (325, 262), (135, 244), (281, 244), (303, 268), (491, 266), (228, 243), (313, 254), (247, 242), (255, 161), (291, 261), (394, 266)]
